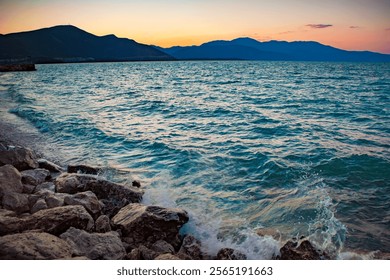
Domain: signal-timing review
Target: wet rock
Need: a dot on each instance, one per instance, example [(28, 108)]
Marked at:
[(45, 186), (84, 169), (17, 202), (39, 205), (20, 158), (191, 247), (167, 256), (303, 251), (102, 224), (230, 254), (135, 254), (10, 180), (162, 247), (87, 199), (150, 223), (43, 163), (55, 220), (95, 246), (33, 246), (114, 196), (136, 184), (35, 176)]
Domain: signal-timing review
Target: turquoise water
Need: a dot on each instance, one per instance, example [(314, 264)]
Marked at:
[(299, 148)]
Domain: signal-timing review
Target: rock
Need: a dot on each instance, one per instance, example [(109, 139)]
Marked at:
[(230, 254), (95, 246), (114, 196), (191, 247), (102, 224), (45, 186), (87, 199), (43, 163), (17, 202), (142, 253), (54, 200), (55, 220), (150, 223), (28, 189), (304, 251), (162, 247), (35, 176), (136, 184), (85, 169), (20, 158), (10, 180), (167, 256), (33, 246), (135, 254), (39, 205)]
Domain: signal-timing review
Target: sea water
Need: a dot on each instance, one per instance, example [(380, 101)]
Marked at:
[(297, 148)]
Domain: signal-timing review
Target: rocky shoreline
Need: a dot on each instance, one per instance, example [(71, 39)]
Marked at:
[(47, 212)]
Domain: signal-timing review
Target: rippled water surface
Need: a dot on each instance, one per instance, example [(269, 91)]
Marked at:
[(301, 149)]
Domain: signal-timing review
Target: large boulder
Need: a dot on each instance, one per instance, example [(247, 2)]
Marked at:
[(114, 196), (87, 199), (148, 224), (35, 176), (55, 220), (33, 246), (95, 246), (10, 180), (301, 251), (17, 202), (21, 158)]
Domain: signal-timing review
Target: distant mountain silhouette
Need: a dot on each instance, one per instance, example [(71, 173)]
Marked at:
[(66, 43), (250, 49)]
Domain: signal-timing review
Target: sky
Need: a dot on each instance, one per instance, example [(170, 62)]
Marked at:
[(346, 24)]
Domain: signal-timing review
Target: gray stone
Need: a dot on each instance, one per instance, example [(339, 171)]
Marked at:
[(54, 200), (102, 224), (45, 186), (303, 251), (150, 223), (87, 199), (33, 246), (162, 247), (39, 205), (55, 220), (28, 189), (17, 202), (142, 253), (10, 180), (191, 247), (20, 158), (35, 176), (95, 246)]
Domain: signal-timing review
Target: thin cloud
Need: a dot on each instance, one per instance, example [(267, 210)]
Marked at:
[(286, 32), (387, 29), (354, 27), (319, 26)]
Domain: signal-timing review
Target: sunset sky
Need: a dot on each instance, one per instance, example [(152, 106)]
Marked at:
[(346, 24)]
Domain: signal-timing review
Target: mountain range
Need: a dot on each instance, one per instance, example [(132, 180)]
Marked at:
[(67, 43)]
